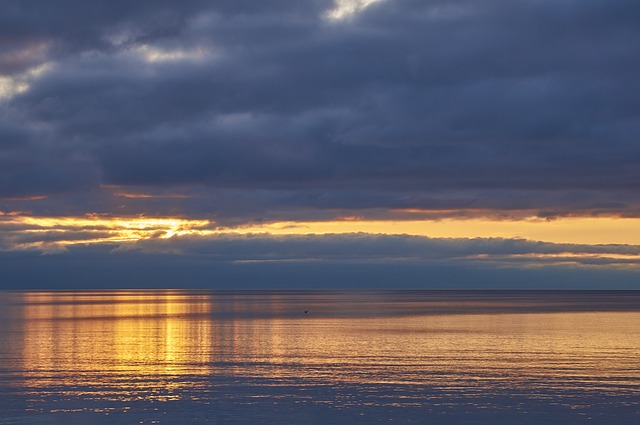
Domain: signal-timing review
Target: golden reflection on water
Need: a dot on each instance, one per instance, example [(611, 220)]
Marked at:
[(157, 345), (114, 340)]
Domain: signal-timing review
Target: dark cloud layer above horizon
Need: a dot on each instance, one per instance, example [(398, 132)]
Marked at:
[(270, 107), (353, 261)]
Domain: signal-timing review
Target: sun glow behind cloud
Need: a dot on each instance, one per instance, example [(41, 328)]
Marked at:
[(55, 234), (583, 230), (451, 242)]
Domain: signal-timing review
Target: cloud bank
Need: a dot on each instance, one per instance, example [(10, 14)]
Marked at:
[(242, 112), (231, 261), (275, 110)]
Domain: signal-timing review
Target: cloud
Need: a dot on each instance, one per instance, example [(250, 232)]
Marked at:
[(268, 110), (329, 261), (392, 248), (206, 240)]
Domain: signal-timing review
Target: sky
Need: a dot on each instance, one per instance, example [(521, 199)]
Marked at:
[(321, 143)]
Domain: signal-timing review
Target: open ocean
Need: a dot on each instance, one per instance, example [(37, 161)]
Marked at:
[(325, 357)]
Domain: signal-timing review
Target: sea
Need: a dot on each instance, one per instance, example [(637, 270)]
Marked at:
[(319, 357)]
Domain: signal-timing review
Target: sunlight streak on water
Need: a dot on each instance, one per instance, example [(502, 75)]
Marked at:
[(355, 357)]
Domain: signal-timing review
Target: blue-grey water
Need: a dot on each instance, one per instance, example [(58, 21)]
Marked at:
[(283, 357)]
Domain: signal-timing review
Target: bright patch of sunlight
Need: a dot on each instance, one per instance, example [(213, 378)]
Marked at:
[(156, 54), (345, 9), (11, 86)]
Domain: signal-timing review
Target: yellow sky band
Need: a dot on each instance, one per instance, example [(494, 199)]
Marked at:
[(579, 230), (587, 230)]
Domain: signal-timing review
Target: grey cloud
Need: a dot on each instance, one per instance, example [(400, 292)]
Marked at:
[(45, 175), (235, 206), (368, 247), (96, 268), (410, 104), (330, 261), (19, 235)]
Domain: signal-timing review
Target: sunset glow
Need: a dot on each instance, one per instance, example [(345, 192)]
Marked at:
[(63, 231), (563, 230), (227, 136), (325, 212)]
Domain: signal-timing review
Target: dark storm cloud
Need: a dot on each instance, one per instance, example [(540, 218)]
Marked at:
[(408, 104)]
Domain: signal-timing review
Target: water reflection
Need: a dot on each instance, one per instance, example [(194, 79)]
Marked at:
[(368, 350), (123, 343)]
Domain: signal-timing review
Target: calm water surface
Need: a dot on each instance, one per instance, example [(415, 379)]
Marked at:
[(195, 357)]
